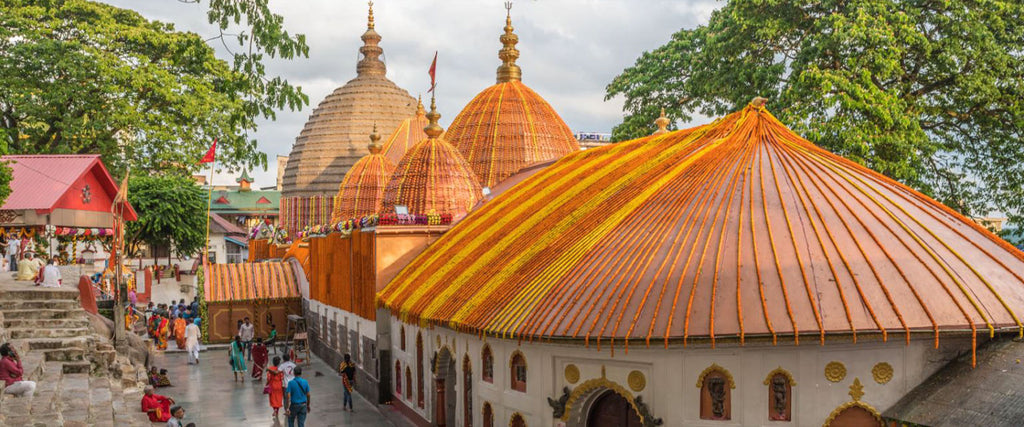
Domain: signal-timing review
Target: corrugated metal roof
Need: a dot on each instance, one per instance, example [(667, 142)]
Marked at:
[(958, 395), (220, 225), (40, 180)]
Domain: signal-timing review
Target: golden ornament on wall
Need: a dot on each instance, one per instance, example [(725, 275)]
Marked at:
[(637, 381), (882, 372), (835, 371), (572, 373)]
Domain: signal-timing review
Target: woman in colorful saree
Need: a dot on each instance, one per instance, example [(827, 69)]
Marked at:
[(163, 329), (179, 331), (237, 359)]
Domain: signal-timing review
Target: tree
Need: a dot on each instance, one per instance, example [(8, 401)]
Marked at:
[(172, 212), (927, 92), (83, 77)]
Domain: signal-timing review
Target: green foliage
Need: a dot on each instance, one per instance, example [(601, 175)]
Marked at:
[(172, 211), (927, 92), (83, 77)]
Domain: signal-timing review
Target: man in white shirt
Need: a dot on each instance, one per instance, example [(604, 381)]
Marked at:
[(247, 332), (288, 369), (192, 334), (51, 276)]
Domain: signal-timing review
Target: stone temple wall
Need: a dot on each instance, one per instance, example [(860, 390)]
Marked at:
[(334, 333)]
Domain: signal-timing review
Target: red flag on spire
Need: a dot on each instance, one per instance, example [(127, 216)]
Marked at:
[(433, 69), (210, 153)]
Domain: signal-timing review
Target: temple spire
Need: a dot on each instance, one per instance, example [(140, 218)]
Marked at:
[(420, 111), (371, 64), (662, 123), (509, 71), (433, 130), (374, 146)]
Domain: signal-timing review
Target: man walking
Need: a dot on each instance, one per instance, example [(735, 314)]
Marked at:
[(297, 396), (246, 332)]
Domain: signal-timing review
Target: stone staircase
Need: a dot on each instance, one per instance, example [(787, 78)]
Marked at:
[(80, 378)]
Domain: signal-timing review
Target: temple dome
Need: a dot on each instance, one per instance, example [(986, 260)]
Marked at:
[(508, 126), (737, 229), (362, 189), (432, 177), (407, 134), (333, 138)]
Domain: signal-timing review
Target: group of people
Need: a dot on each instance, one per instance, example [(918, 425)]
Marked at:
[(175, 321)]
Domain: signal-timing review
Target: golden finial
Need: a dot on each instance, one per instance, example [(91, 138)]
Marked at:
[(369, 22), (759, 101), (420, 111), (433, 130), (371, 64), (508, 54), (662, 123), (375, 146)]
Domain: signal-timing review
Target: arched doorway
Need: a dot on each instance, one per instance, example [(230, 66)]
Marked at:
[(854, 414), (444, 405), (612, 410)]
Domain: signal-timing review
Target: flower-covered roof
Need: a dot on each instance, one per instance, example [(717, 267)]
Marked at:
[(362, 190), (736, 229), (408, 133), (508, 126), (432, 178)]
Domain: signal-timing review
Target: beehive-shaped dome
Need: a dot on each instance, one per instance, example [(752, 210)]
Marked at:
[(408, 133), (508, 126), (432, 177), (739, 228), (333, 138), (362, 190)]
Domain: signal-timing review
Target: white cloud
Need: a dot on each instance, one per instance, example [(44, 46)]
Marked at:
[(570, 50)]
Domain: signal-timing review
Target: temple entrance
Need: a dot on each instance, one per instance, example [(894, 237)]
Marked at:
[(444, 405), (612, 410), (855, 416)]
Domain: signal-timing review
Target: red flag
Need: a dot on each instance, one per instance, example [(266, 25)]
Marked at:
[(433, 69), (210, 153)]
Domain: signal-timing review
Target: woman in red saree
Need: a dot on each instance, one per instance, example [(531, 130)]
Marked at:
[(179, 332), (259, 358), (156, 406), (275, 385)]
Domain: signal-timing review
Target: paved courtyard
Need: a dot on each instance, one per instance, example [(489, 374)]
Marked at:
[(211, 398)]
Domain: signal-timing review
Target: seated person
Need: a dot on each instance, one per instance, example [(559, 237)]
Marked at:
[(28, 267), (156, 406), (11, 373), (158, 379), (49, 276)]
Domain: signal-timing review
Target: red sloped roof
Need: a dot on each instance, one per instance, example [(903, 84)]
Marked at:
[(39, 181), (220, 225)]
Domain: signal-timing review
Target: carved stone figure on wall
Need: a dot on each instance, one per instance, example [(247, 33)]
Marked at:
[(558, 406)]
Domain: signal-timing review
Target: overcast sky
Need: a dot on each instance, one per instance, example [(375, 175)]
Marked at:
[(570, 50)]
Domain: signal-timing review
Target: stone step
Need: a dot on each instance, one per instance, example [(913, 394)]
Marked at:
[(40, 293), (69, 354), (22, 333), (80, 367), (73, 322), (41, 314), (57, 343), (39, 305)]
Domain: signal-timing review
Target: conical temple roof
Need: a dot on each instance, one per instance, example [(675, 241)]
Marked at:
[(508, 126), (333, 138), (432, 178), (736, 229), (362, 190), (407, 134)]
